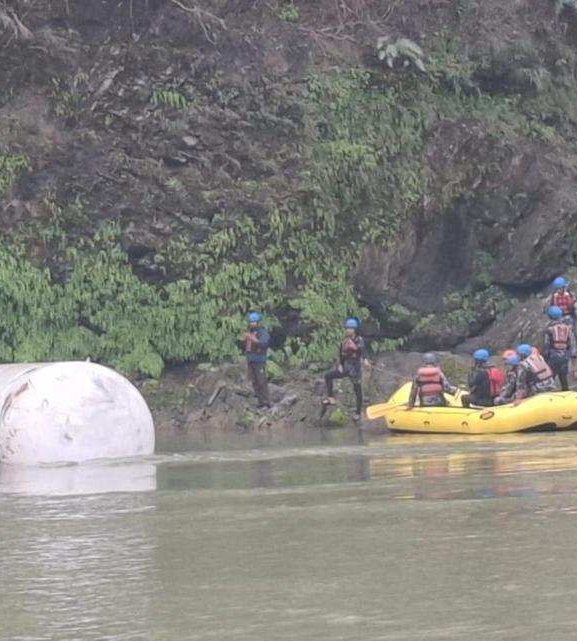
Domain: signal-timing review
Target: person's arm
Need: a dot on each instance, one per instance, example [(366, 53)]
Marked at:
[(262, 339), (521, 384), (475, 381), (447, 387), (341, 358), (363, 348), (547, 343), (509, 388), (571, 344), (363, 351)]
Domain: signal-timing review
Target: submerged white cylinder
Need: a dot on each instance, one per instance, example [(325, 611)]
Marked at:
[(70, 412)]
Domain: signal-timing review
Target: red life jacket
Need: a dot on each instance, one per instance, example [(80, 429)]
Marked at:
[(565, 301), (539, 367), (559, 336), (430, 381), (496, 381), (251, 346), (350, 348)]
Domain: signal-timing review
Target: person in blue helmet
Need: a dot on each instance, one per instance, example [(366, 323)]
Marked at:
[(485, 381), (430, 384), (559, 345), (533, 375), (564, 299), (255, 344), (352, 354), (509, 390)]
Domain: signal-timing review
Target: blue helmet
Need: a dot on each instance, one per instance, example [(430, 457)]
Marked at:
[(254, 317), (481, 355), (512, 360), (351, 323), (560, 282), (524, 350), (554, 312)]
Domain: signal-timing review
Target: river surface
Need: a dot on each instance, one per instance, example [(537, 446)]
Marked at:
[(318, 535)]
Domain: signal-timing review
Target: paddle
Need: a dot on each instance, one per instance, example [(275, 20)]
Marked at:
[(378, 411)]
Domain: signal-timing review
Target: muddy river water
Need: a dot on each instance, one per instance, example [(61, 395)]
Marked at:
[(317, 535)]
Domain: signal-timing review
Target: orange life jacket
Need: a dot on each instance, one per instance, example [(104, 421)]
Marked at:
[(251, 346), (565, 301), (350, 348), (429, 381), (559, 336), (539, 367)]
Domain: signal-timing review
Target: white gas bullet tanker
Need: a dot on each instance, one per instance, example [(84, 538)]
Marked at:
[(70, 412)]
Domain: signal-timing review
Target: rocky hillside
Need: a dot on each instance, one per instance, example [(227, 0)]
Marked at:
[(166, 165)]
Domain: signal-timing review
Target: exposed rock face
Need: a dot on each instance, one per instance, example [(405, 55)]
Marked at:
[(513, 226), (524, 323), (522, 218)]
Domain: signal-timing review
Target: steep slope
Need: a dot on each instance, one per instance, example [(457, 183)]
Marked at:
[(166, 165)]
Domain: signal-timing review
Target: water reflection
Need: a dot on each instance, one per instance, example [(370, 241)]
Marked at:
[(418, 459), (417, 467), (91, 478), (390, 539)]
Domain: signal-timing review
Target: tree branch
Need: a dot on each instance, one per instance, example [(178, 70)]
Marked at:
[(203, 17), (10, 21)]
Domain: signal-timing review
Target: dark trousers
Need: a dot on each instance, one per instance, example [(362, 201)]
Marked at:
[(559, 365), (257, 376), (470, 399), (355, 379)]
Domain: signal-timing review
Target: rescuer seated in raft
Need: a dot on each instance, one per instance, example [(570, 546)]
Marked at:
[(509, 390), (533, 373), (564, 299), (559, 345), (351, 357), (484, 381), (430, 384)]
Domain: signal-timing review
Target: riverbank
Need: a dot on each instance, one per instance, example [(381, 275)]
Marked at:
[(207, 397), (219, 398)]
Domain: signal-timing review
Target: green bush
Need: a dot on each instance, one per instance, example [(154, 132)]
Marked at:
[(11, 166), (288, 12), (363, 175)]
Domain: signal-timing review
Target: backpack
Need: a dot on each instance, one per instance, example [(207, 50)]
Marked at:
[(496, 381)]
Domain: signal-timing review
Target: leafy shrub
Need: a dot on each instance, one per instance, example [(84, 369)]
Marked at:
[(169, 98), (514, 68), (288, 12), (11, 166)]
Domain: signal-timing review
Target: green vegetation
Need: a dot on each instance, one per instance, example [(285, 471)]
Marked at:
[(169, 98), (11, 166), (67, 96), (288, 12), (362, 176)]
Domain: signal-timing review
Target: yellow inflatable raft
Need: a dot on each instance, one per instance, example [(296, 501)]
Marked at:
[(554, 410)]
